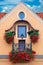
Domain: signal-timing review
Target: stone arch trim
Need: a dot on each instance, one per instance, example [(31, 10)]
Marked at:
[(20, 21)]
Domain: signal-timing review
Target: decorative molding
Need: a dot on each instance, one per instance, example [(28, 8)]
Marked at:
[(19, 21), (6, 56), (39, 56), (3, 56)]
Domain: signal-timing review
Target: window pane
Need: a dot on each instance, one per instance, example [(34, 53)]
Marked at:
[(21, 31), (21, 15)]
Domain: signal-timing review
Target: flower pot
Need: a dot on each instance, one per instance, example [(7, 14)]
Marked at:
[(34, 38), (9, 39)]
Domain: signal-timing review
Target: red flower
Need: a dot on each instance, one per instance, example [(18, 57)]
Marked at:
[(19, 54), (33, 52), (27, 57), (34, 38), (16, 57), (9, 39), (23, 55), (10, 55), (15, 60)]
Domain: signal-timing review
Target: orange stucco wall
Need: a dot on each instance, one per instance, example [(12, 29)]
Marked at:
[(7, 62), (9, 20)]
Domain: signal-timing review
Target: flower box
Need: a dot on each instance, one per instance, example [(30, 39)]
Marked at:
[(20, 56)]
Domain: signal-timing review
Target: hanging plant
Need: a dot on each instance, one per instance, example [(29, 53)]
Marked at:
[(9, 36), (21, 56), (34, 35)]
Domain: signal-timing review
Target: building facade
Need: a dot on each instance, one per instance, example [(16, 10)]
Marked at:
[(21, 20)]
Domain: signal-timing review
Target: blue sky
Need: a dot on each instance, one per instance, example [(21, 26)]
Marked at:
[(8, 5)]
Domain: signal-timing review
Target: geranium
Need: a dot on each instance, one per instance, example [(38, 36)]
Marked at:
[(21, 56), (9, 39), (34, 35), (34, 38), (9, 36)]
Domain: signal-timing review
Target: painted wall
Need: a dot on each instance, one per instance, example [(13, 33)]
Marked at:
[(36, 62), (9, 20)]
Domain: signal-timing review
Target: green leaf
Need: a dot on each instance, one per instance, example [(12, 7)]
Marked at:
[(30, 32), (9, 34), (36, 33), (29, 52)]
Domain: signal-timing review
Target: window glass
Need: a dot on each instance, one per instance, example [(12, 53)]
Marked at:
[(21, 15), (21, 31)]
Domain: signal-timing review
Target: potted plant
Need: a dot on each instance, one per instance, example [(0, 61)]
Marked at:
[(21, 56), (34, 35), (9, 36)]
